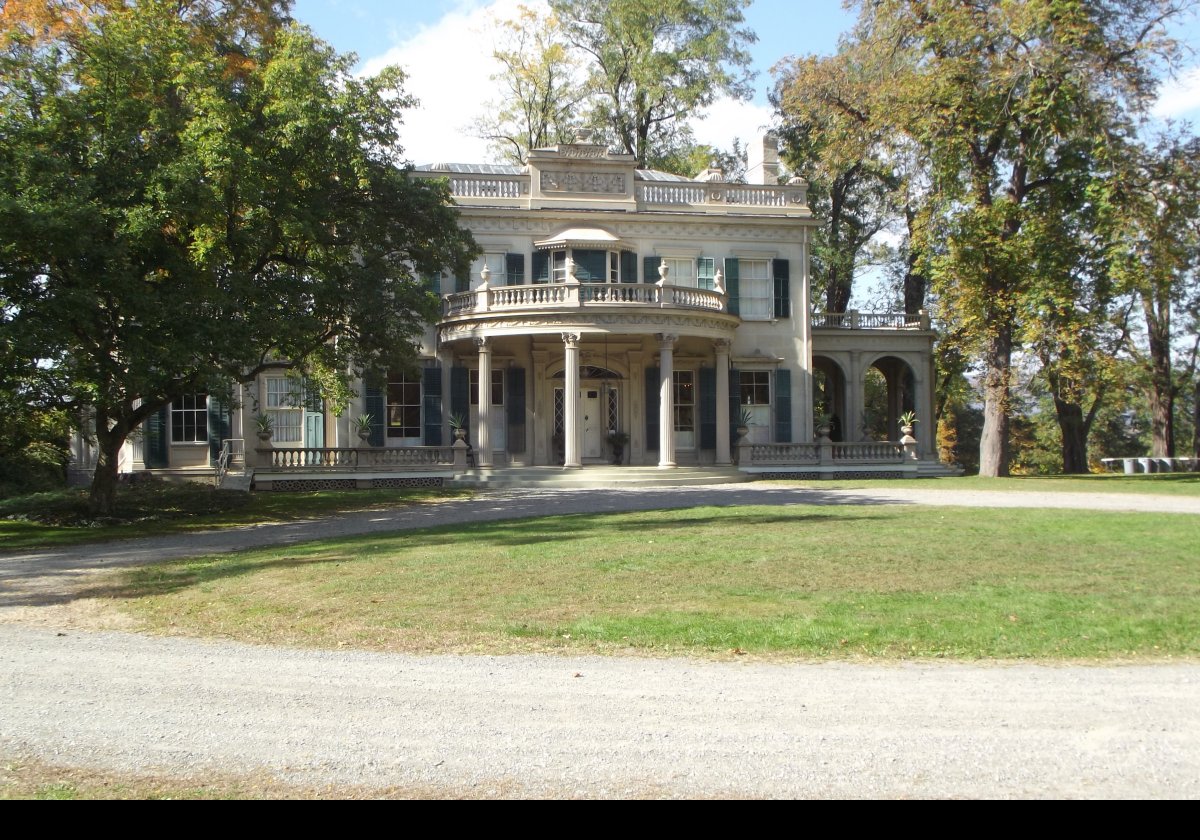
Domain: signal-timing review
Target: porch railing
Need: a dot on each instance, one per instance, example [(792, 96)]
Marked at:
[(822, 453), (329, 458), (855, 320), (585, 295)]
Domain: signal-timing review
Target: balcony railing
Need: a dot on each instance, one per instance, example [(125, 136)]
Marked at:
[(855, 320), (471, 188), (585, 295)]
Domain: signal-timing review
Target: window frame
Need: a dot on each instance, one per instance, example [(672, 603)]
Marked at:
[(756, 307), (196, 412)]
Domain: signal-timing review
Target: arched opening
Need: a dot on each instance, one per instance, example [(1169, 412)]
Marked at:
[(889, 390), (829, 396)]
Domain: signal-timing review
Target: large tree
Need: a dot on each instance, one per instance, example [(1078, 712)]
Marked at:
[(187, 196), (543, 87), (654, 63), (993, 91), (1151, 216), (833, 136)]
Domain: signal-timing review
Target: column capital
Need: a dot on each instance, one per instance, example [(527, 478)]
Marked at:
[(666, 341), (570, 339), (722, 345), (481, 342)]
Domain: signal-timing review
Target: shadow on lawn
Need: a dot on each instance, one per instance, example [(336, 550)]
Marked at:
[(177, 575), (505, 515)]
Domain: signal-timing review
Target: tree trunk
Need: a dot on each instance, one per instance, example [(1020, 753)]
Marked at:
[(1196, 426), (837, 295), (993, 443), (104, 480), (1074, 437), (1162, 419)]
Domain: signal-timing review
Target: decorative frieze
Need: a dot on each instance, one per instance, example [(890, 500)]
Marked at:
[(606, 183)]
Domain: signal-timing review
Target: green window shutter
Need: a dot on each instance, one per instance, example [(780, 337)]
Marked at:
[(705, 271), (628, 267), (735, 401), (220, 426), (783, 406), (515, 380), (514, 267), (708, 408), (433, 282), (732, 287), (462, 282), (780, 270), (431, 404), (155, 444), (377, 408), (650, 269), (652, 376), (460, 392), (590, 266), (541, 267)]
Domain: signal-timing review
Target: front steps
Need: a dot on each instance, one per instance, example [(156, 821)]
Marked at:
[(597, 477)]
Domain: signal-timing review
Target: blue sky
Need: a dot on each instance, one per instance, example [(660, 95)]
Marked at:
[(446, 45)]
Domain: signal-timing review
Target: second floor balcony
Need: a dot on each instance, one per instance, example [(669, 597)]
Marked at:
[(559, 296)]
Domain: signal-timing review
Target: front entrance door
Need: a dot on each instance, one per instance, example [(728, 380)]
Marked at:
[(591, 424)]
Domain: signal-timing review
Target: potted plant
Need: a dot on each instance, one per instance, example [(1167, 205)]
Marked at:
[(617, 441), (824, 424), (458, 424), (743, 423), (907, 420), (362, 425), (265, 426)]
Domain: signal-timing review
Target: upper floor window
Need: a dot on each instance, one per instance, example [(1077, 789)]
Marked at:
[(189, 419), (756, 292), (693, 272)]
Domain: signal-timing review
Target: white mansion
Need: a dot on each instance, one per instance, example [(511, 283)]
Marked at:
[(617, 315)]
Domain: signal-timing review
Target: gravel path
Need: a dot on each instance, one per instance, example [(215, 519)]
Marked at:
[(588, 726), (581, 726)]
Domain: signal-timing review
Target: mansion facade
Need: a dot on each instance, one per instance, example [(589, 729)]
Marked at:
[(616, 316)]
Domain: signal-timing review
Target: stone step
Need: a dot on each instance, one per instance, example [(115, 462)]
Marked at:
[(598, 477)]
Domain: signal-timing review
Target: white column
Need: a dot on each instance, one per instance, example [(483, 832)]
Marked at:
[(666, 400), (722, 348), (483, 433), (571, 401)]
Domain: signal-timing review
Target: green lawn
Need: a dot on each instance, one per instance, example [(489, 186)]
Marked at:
[(1169, 484), (876, 581), (61, 518)]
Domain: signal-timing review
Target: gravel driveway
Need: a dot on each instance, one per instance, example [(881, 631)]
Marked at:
[(589, 726)]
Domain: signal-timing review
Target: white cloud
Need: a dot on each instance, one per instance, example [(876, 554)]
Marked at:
[(1179, 97), (727, 118), (449, 66)]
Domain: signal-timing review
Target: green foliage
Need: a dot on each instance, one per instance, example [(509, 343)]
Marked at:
[(182, 203), (653, 64), (543, 83)]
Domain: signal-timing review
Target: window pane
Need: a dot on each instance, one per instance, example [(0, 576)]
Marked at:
[(189, 419), (403, 406)]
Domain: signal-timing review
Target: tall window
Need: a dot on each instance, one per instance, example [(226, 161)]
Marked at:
[(756, 293), (189, 419), (285, 407), (755, 396), (681, 271), (496, 265), (497, 386), (685, 409), (403, 406)]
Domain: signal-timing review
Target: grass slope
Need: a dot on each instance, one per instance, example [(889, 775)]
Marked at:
[(799, 581)]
